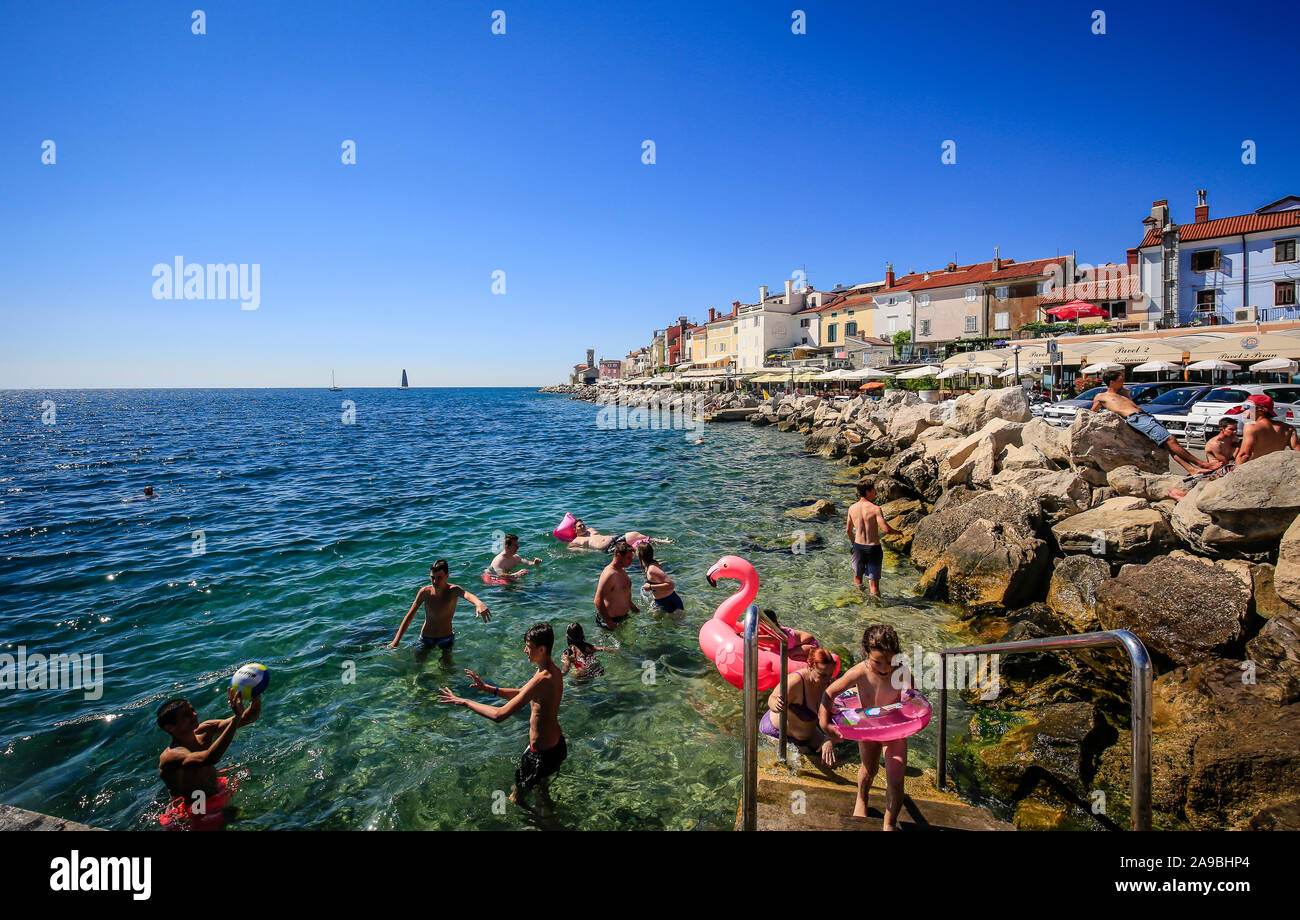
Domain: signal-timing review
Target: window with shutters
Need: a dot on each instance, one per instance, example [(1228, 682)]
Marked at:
[(1284, 293), (1205, 260), (1001, 321), (971, 324), (1001, 292), (1284, 251), (850, 329), (925, 327), (972, 294)]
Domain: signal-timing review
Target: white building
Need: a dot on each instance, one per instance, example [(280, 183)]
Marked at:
[(771, 324)]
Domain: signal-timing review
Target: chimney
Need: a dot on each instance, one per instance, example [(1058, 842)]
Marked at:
[(735, 306), (1132, 258), (997, 260), (889, 274), (952, 266), (712, 317), (789, 292), (1202, 209), (762, 293), (1160, 212)]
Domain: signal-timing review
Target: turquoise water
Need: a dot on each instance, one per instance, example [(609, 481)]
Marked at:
[(319, 533)]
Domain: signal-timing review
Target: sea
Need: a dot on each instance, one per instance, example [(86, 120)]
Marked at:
[(293, 528)]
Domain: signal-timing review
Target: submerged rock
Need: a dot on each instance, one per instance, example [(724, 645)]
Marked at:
[(1072, 593), (818, 509)]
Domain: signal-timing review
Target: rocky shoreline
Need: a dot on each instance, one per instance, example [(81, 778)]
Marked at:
[(1034, 531)]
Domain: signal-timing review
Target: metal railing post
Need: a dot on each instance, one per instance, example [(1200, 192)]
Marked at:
[(785, 666), (1139, 689), (749, 801)]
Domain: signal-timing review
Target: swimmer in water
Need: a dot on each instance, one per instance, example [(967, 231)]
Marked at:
[(580, 655), (189, 764), (657, 581), (585, 538), (439, 598), (546, 749), (508, 560)]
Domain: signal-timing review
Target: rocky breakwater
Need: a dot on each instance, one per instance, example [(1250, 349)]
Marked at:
[(699, 404), (1033, 531)]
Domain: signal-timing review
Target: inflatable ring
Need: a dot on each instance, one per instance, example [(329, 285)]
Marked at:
[(880, 723)]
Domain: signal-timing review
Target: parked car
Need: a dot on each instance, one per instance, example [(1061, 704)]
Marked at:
[(1172, 408), (1203, 417), (1062, 412)]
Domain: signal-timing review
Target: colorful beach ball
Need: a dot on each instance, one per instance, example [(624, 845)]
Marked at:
[(251, 680)]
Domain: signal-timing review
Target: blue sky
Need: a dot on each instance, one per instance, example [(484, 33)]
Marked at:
[(522, 153)]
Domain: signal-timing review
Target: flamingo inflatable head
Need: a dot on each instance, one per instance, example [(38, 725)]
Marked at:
[(720, 638)]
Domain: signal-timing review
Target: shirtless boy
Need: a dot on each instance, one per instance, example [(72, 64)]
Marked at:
[(1117, 400), (190, 762), (1265, 435), (508, 560), (866, 524), (546, 746), (875, 681), (439, 598), (1222, 448), (613, 598)]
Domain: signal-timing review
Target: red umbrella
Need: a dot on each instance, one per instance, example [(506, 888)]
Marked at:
[(1076, 309)]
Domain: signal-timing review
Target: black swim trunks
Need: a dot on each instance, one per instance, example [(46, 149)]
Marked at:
[(535, 766), (446, 642), (609, 547), (867, 559)]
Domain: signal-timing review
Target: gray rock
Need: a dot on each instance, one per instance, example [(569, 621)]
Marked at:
[(957, 511), (1115, 530), (1245, 512), (973, 411), (1072, 593), (1098, 442)]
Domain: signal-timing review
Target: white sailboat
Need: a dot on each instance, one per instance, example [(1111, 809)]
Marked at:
[(405, 385), (333, 387)]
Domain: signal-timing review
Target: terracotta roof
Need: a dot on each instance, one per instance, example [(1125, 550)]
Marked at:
[(1227, 226), (1121, 287), (843, 301), (978, 273)]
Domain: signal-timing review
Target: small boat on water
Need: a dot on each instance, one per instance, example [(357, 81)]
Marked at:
[(334, 388), (405, 385)]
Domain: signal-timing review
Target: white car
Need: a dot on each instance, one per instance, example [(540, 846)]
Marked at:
[(1203, 417)]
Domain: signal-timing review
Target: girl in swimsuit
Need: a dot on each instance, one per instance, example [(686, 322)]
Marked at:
[(581, 655), (657, 581), (803, 694)]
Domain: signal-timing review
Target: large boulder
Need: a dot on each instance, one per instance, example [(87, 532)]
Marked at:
[(1245, 512), (1154, 487), (917, 471), (1058, 494), (1024, 457), (909, 421), (1249, 765), (1183, 609), (1286, 578), (1072, 592), (989, 568), (902, 514), (973, 411), (972, 459), (957, 509), (1122, 529), (1275, 655), (1059, 745), (1098, 442), (1048, 439)]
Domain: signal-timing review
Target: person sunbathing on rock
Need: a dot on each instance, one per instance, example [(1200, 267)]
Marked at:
[(1116, 400)]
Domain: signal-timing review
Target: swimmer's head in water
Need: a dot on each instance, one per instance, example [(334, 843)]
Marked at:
[(438, 572), (646, 553), (539, 636), (176, 715), (579, 528), (575, 635), (148, 490), (621, 550), (512, 542)]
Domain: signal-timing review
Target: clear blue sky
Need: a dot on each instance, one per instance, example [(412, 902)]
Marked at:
[(522, 153)]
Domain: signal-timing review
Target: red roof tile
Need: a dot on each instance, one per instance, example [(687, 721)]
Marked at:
[(1227, 226), (978, 273)]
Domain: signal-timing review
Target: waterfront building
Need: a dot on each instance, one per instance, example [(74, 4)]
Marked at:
[(982, 300), (1117, 289), (848, 313), (720, 339), (1240, 269), (611, 368), (675, 342), (771, 324)]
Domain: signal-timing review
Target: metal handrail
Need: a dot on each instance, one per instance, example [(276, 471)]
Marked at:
[(1140, 690), (749, 797)]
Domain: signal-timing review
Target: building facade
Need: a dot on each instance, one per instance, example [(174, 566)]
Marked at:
[(1240, 269)]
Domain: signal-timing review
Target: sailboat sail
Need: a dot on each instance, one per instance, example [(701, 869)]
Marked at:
[(404, 383)]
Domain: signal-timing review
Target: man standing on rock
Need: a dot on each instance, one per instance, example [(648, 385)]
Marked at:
[(1117, 400), (1266, 434), (865, 525)]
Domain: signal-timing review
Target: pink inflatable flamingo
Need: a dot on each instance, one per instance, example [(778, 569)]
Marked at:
[(721, 639)]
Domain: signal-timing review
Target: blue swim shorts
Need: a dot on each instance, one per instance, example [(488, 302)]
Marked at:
[(1147, 425)]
